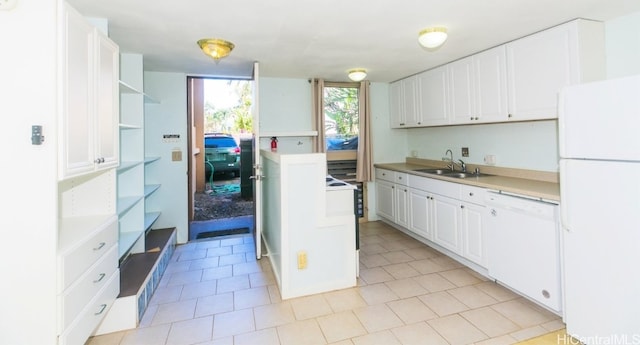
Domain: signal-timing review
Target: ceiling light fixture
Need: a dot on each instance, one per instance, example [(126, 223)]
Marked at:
[(357, 74), (432, 37), (215, 47)]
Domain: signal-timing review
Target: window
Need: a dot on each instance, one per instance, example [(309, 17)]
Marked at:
[(341, 116)]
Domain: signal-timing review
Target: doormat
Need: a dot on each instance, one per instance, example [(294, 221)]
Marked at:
[(217, 233)]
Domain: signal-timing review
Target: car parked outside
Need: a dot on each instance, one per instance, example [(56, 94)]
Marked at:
[(222, 154)]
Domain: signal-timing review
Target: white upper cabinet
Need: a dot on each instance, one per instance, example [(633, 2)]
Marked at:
[(432, 97), (89, 117), (540, 65), (404, 110), (517, 81)]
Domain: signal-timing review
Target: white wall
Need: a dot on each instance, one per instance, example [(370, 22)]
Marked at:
[(167, 117), (623, 45), (525, 145)]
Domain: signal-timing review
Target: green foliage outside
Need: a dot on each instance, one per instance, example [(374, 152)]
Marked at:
[(235, 119), (341, 111)]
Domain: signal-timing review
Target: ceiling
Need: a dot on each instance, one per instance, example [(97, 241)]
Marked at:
[(303, 39)]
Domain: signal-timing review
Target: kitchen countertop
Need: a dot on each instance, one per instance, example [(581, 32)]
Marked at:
[(537, 188)]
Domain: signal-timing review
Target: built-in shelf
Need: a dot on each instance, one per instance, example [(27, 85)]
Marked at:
[(127, 240), (126, 203), (148, 160), (150, 188), (124, 166), (126, 88), (289, 134), (127, 126), (149, 219)]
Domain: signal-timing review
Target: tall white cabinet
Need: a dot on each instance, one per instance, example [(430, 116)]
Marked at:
[(88, 152)]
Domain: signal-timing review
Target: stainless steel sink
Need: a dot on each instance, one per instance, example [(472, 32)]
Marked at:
[(434, 171), (464, 174)]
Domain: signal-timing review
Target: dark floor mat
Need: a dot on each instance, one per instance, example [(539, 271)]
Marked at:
[(226, 232)]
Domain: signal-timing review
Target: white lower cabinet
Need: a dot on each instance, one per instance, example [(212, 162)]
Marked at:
[(420, 213), (446, 219), (445, 213)]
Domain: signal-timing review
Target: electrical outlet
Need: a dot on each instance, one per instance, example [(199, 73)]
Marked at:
[(490, 160), (302, 260), (465, 152), (6, 5), (176, 155)]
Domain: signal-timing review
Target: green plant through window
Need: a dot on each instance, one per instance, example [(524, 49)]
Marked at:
[(341, 117)]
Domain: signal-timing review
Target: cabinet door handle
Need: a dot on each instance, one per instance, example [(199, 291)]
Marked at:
[(100, 246), (102, 308), (470, 193), (100, 277), (461, 206)]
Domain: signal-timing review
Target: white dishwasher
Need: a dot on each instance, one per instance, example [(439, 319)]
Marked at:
[(523, 246)]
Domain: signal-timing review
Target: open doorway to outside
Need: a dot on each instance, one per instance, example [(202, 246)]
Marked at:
[(222, 130)]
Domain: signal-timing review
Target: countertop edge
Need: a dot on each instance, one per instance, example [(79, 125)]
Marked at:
[(544, 190)]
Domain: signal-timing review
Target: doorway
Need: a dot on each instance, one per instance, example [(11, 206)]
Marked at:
[(221, 134)]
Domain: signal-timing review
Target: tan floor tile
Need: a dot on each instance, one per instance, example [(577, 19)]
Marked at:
[(181, 278), (418, 334), (456, 330), (310, 307), (401, 270), (502, 340), (219, 251), (443, 303), (460, 277), (405, 288), (166, 294), (274, 294), (231, 241), (397, 257), (175, 311), (554, 325), (341, 326), (446, 262), (523, 312), (273, 315), (370, 249), (496, 291), (373, 239), (107, 339), (528, 333), (233, 283), (232, 259), (394, 245), (434, 282), (375, 260), (207, 243), (412, 310), (375, 275), (490, 321), (147, 335), (243, 248), (246, 268), (199, 289), (305, 332), (261, 278), (426, 266), (472, 297), (377, 318), (191, 331), (249, 298), (210, 305), (192, 254), (233, 323), (377, 293), (267, 336), (379, 338), (346, 299), (217, 273), (422, 252), (203, 263)]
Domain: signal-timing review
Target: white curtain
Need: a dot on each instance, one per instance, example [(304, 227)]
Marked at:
[(364, 163), (317, 104)]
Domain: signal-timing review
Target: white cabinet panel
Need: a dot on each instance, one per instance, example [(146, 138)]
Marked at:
[(385, 204), (420, 213), (471, 223), (432, 98), (447, 231)]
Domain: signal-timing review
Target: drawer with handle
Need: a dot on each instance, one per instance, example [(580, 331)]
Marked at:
[(76, 260), (79, 294)]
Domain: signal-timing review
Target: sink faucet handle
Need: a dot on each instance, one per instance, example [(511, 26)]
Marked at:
[(463, 165)]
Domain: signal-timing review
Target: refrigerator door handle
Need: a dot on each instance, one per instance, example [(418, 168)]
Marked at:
[(564, 217)]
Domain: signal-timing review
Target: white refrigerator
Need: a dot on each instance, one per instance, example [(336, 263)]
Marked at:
[(599, 141)]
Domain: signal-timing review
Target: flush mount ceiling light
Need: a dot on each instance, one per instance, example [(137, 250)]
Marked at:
[(357, 74), (215, 47), (432, 37)]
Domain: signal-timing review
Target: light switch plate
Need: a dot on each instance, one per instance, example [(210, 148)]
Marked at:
[(465, 152)]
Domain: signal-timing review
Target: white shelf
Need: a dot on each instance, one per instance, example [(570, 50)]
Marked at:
[(150, 188), (289, 134), (126, 126), (127, 240), (124, 166), (150, 218), (126, 203), (126, 88), (148, 160)]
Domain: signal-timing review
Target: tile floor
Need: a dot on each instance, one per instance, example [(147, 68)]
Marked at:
[(215, 292)]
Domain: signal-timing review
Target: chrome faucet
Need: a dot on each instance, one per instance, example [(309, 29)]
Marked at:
[(452, 164)]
